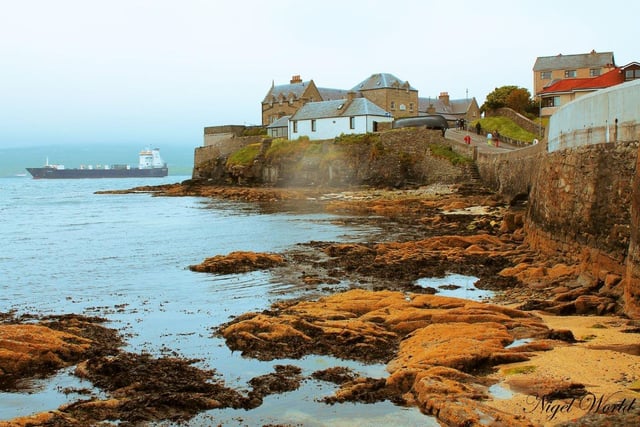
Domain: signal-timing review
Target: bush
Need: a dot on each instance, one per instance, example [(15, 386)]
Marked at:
[(255, 131), (441, 150), (357, 138), (244, 156)]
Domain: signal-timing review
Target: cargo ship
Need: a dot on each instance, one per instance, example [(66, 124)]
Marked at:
[(150, 165)]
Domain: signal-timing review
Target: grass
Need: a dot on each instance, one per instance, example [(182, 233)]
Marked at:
[(441, 150), (244, 156), (506, 127)]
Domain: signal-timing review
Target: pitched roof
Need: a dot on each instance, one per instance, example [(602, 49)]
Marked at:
[(583, 60), (295, 89), (282, 122), (608, 79), (382, 81), (456, 106), (328, 94), (338, 108)]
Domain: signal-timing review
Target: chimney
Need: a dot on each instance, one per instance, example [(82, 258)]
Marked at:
[(296, 79), (350, 95), (444, 97)]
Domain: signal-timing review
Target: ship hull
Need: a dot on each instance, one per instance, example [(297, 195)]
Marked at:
[(52, 173)]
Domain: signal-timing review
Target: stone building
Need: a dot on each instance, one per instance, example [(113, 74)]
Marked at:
[(389, 93), (285, 100), (451, 109)]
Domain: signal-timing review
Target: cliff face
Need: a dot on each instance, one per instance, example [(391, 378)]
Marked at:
[(394, 158)]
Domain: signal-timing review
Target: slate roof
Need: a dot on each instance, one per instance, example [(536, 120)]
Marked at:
[(282, 122), (381, 81), (329, 94), (567, 62), (456, 106), (608, 79), (338, 108), (297, 89)]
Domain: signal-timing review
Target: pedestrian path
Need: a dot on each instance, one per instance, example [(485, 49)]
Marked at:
[(479, 141)]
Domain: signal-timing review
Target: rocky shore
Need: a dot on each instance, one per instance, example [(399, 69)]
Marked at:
[(552, 346)]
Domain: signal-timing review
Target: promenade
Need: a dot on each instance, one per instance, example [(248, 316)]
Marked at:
[(479, 141)]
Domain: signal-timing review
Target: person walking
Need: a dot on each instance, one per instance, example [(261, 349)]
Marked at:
[(489, 138)]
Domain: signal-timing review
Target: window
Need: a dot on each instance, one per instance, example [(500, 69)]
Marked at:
[(295, 126), (402, 107), (594, 72), (569, 73), (393, 105), (411, 106), (632, 74), (545, 75), (313, 125), (352, 122), (551, 102)]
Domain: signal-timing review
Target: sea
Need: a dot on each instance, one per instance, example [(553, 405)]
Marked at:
[(125, 257)]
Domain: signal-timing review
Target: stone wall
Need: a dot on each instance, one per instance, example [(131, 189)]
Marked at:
[(632, 273), (580, 206), (508, 173)]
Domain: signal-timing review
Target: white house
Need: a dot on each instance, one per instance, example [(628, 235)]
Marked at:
[(328, 119)]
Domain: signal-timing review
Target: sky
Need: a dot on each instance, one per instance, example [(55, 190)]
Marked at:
[(154, 72)]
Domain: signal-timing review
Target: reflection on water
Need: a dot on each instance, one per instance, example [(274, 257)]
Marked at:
[(500, 392), (126, 258)]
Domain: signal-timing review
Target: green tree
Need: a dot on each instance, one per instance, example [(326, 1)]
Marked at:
[(497, 98), (519, 99)]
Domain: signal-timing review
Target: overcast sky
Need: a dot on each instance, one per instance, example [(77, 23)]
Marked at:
[(154, 72)]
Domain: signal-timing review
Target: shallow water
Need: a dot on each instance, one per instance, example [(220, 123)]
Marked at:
[(456, 285), (125, 257)]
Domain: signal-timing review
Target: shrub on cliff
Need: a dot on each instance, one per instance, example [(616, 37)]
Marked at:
[(357, 138), (441, 150), (281, 149), (244, 156)]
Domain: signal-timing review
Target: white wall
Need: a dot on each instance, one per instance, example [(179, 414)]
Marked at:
[(591, 119), (331, 127)]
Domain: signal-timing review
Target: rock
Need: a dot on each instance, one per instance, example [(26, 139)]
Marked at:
[(238, 262), (433, 346), (33, 349), (592, 304)]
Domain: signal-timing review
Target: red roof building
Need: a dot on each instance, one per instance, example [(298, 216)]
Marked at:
[(561, 92)]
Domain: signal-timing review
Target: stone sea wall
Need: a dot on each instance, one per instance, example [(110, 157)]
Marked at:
[(580, 208)]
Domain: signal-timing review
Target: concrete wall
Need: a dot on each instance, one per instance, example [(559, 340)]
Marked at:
[(607, 115)]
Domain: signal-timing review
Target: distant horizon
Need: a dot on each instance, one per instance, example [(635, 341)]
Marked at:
[(15, 160)]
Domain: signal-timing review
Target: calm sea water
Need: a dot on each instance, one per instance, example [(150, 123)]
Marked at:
[(125, 257)]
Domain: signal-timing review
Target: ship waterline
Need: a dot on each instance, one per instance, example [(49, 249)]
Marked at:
[(150, 165)]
